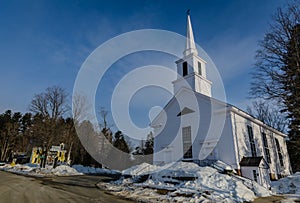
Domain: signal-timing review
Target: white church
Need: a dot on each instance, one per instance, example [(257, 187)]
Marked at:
[(195, 127)]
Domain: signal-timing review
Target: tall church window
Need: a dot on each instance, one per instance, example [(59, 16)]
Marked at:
[(279, 152), (251, 140), (187, 143), (184, 69), (266, 147), (254, 175), (199, 68)]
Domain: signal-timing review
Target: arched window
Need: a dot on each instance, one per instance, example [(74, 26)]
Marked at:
[(184, 69)]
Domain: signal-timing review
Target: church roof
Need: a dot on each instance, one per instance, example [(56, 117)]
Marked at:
[(251, 161), (242, 113), (185, 111), (228, 106)]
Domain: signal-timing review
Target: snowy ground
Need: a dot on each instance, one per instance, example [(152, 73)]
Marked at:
[(175, 182), (288, 185), (183, 182), (62, 170)]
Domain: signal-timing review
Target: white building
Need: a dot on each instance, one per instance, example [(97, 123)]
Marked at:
[(194, 126)]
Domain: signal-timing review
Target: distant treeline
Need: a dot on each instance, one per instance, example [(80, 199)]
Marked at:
[(46, 124)]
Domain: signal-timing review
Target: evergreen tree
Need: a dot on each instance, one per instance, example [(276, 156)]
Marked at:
[(120, 142), (277, 73), (9, 132), (149, 144), (291, 82)]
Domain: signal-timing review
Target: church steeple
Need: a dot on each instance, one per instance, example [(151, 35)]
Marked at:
[(190, 42), (191, 68)]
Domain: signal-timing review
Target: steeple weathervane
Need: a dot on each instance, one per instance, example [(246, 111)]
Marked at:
[(190, 42)]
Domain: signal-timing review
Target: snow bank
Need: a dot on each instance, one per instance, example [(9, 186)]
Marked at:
[(141, 169), (287, 185), (35, 170), (18, 168), (195, 179), (62, 170), (184, 182), (92, 170), (221, 166)]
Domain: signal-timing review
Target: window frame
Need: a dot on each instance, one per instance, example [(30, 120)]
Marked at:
[(279, 151), (254, 172), (187, 142), (251, 141), (199, 68), (266, 147)]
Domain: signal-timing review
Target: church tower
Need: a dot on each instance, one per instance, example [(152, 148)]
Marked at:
[(191, 69)]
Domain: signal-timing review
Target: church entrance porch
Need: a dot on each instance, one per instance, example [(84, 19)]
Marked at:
[(256, 168)]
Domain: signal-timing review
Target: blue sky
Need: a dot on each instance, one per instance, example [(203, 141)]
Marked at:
[(44, 43)]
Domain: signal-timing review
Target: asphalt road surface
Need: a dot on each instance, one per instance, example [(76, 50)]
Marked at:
[(16, 188)]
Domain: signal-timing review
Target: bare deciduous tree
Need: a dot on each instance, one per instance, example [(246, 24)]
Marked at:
[(80, 108), (49, 107), (277, 72), (271, 57), (268, 114), (52, 103)]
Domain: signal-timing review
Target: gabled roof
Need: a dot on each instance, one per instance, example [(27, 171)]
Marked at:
[(229, 107), (251, 161), (184, 111)]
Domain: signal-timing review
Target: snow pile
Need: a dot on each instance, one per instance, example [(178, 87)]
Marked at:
[(35, 170), (184, 182), (179, 169), (223, 166), (287, 185), (92, 170), (194, 179), (62, 170), (141, 169), (18, 168)]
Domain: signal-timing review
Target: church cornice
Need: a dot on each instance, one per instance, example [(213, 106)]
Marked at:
[(190, 56), (255, 120), (192, 75)]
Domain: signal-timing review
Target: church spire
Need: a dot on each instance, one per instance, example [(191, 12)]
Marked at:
[(191, 68), (190, 42)]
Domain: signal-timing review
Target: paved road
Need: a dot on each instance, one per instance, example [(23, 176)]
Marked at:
[(17, 188)]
